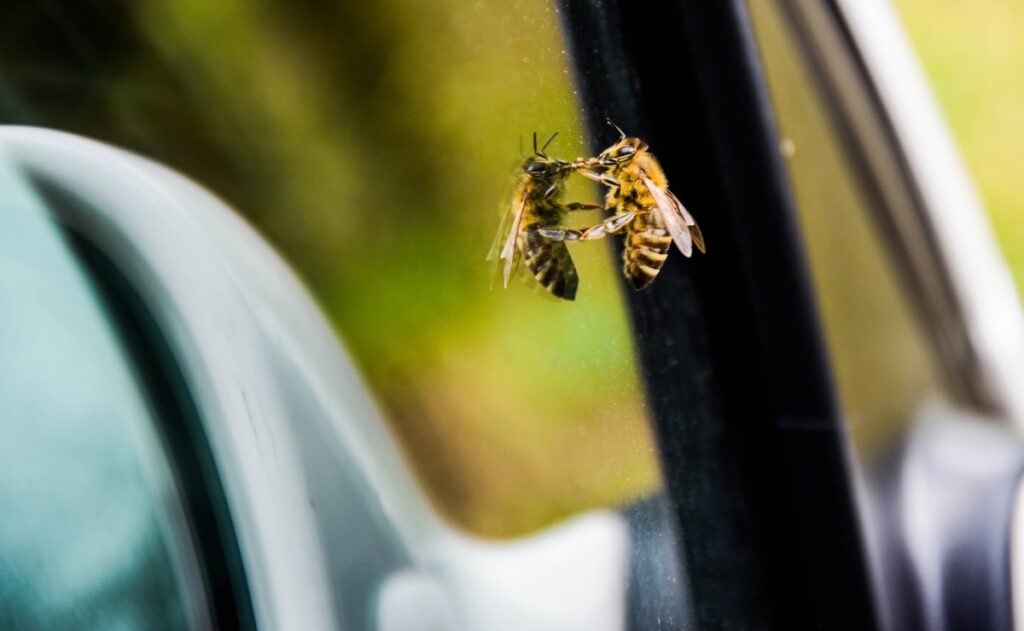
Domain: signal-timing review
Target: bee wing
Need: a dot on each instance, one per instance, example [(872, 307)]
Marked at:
[(673, 215), (492, 254), (691, 223), (697, 236), (510, 253), (499, 237)]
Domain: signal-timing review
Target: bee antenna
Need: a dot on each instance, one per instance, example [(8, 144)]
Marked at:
[(535, 143), (548, 143), (622, 134)]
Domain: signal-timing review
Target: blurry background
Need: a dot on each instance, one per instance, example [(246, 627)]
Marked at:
[(375, 145), (973, 53), (884, 363)]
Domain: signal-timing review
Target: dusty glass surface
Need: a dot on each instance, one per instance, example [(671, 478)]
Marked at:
[(883, 367), (375, 145)]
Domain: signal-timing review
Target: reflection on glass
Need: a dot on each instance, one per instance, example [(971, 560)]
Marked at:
[(92, 533), (375, 144), (882, 364)]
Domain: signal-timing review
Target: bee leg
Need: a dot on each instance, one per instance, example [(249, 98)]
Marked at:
[(581, 206), (607, 180), (559, 234), (611, 225)]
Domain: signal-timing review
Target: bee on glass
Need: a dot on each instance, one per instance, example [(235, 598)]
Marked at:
[(651, 215), (532, 226)]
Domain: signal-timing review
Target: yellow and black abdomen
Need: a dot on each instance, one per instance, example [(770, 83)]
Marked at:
[(647, 246), (550, 263)]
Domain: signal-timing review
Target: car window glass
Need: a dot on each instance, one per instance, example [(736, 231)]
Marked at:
[(376, 145), (883, 366), (972, 53)]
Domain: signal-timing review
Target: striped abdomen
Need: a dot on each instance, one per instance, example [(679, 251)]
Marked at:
[(647, 246), (551, 265)]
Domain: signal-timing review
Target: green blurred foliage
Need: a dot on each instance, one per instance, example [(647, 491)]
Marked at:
[(973, 53), (375, 145)]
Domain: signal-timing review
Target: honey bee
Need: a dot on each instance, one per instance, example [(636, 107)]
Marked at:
[(651, 215), (532, 226)]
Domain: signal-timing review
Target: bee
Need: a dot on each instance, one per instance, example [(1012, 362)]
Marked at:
[(532, 227), (651, 215)]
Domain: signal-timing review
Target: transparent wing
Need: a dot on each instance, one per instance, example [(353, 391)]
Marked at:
[(691, 223), (499, 237), (510, 252), (698, 238), (672, 214)]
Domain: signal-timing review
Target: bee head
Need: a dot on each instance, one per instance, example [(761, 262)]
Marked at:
[(621, 152), (542, 167)]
